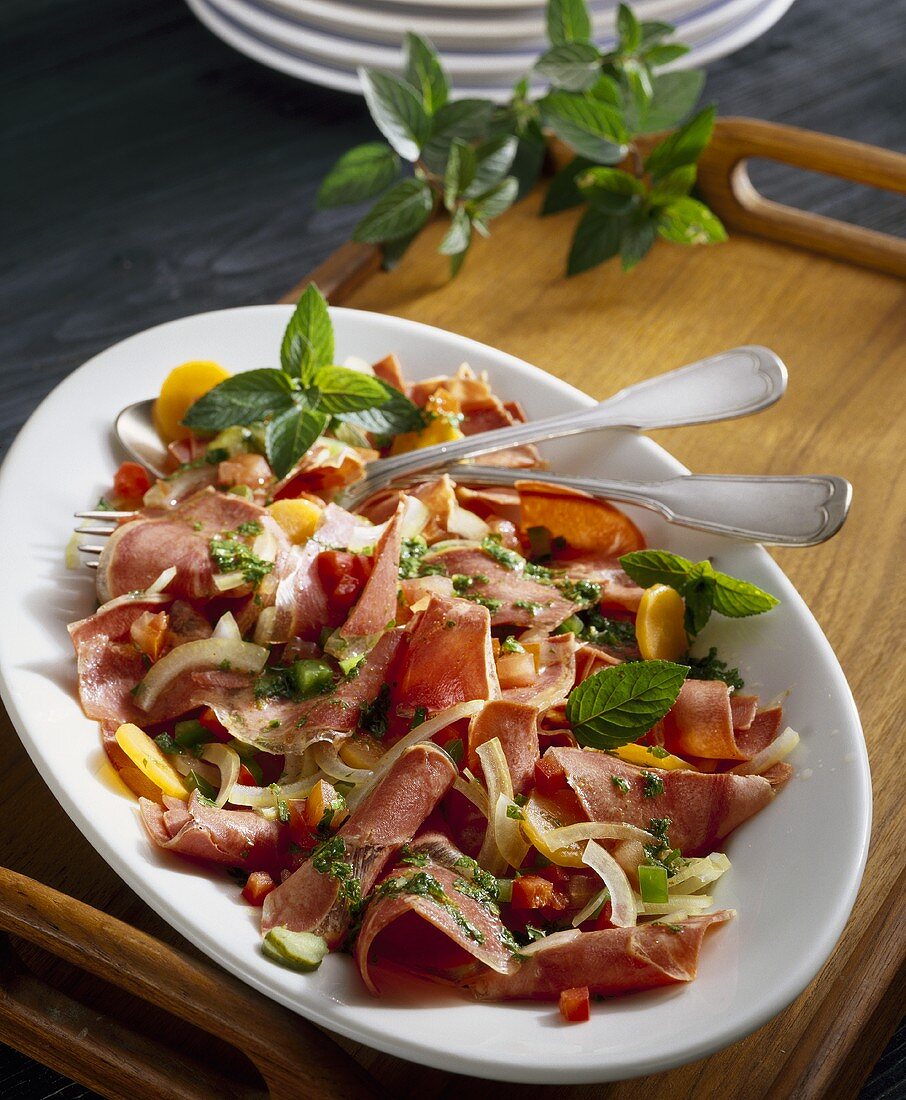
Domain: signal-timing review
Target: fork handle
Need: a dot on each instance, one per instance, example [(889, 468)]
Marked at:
[(722, 387), (778, 511)]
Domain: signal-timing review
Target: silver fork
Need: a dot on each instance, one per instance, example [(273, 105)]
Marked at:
[(733, 384)]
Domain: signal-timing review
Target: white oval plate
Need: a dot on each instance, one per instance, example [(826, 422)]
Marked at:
[(796, 867)]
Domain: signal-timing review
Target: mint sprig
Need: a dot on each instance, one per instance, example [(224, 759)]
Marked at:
[(619, 704), (703, 588), (471, 158), (307, 396)]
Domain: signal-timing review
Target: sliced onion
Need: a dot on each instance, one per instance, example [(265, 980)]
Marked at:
[(227, 761), (186, 763), (328, 760), (266, 546), (473, 790), (414, 518), (227, 627), (591, 908), (206, 653), (263, 797), (775, 752), (511, 844), (465, 523), (452, 544), (225, 582), (679, 903), (595, 830), (497, 781), (622, 900), (552, 940), (700, 872), (168, 492), (162, 581), (264, 627), (424, 732)]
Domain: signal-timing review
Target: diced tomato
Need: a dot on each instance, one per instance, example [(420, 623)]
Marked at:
[(535, 892), (549, 776), (343, 576), (257, 888), (575, 1004), (244, 469), (246, 778), (131, 482), (557, 876), (300, 834), (212, 724), (604, 918)]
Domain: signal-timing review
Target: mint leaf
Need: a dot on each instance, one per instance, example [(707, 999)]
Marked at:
[(737, 599), (289, 435), (638, 237), (610, 189), (344, 390), (308, 339), (242, 399), (402, 211), (608, 91), (467, 119), (698, 596), (563, 191), (663, 55), (393, 251), (597, 238), (424, 72), (460, 171), (619, 704), (458, 236), (675, 185), (683, 147), (574, 66), (587, 125), (653, 32), (688, 221), (629, 30), (648, 567), (493, 202), (395, 414), (674, 96), (397, 112), (360, 174), (493, 160), (529, 159), (567, 21)]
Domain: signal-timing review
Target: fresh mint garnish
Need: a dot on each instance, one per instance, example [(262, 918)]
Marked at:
[(300, 402), (617, 705), (703, 588)]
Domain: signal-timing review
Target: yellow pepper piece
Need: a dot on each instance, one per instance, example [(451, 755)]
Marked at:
[(182, 387), (298, 518), (540, 815), (643, 757), (361, 752), (150, 761), (659, 628), (440, 430)]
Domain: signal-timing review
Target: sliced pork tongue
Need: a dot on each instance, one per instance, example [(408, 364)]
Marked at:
[(388, 818), (139, 551), (702, 808), (198, 831), (516, 725), (610, 962)]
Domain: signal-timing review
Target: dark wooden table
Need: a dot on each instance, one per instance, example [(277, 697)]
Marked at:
[(152, 172)]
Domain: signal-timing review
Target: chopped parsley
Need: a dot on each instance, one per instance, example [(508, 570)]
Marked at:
[(454, 749), (412, 553), (586, 593), (601, 630), (462, 582), (373, 715), (710, 667), (328, 858), (515, 813), (303, 679), (510, 645), (659, 852), (231, 555), (531, 606), (654, 785), (280, 804), (418, 717), (251, 527), (494, 548), (621, 783), (425, 885), (414, 859), (485, 601)]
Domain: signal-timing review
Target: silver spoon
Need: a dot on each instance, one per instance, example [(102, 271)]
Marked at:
[(735, 383), (777, 511)]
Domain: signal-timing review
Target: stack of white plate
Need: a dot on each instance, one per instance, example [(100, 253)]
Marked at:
[(486, 45)]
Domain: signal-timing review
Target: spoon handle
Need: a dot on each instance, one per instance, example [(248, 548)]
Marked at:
[(722, 387), (779, 511)]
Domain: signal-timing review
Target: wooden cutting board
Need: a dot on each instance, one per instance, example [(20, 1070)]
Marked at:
[(166, 1022)]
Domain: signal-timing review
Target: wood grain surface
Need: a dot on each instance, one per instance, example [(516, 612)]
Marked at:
[(158, 173)]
